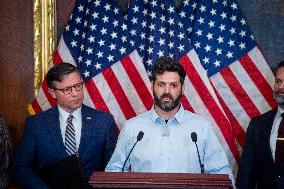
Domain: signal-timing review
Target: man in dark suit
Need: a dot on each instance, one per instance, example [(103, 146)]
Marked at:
[(68, 128), (262, 160)]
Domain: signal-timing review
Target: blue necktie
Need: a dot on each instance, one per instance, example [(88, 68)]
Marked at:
[(70, 142)]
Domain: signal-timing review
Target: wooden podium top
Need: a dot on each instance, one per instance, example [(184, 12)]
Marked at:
[(159, 180)]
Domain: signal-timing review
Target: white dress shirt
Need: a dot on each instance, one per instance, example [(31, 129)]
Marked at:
[(76, 121)]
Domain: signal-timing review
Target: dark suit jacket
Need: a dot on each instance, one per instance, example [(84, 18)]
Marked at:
[(42, 144), (257, 167)]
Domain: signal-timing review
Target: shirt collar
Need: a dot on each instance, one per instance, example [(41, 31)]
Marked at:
[(178, 117), (64, 115)]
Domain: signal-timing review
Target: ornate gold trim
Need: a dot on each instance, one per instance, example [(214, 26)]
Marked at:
[(44, 38)]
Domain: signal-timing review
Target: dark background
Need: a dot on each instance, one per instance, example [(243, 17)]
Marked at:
[(265, 17)]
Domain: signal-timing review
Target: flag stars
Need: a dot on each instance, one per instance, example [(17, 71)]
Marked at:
[(223, 15), (113, 35), (86, 74), (171, 21), (242, 45), (202, 8), (135, 8), (163, 18), (74, 43), (181, 48), (222, 27), (122, 50), (80, 58), (134, 20), (161, 42), (152, 27), (205, 60), (171, 9), (101, 42), (232, 31), (104, 31), (171, 45), (160, 53), (78, 20), (110, 58), (112, 46), (181, 36), (229, 55), (89, 50), (151, 38), (91, 39), (201, 20), (81, 8), (88, 62), (162, 30), (243, 22), (100, 54), (220, 39), (124, 27), (211, 24), (213, 12), (197, 44), (199, 32), (107, 7), (115, 23), (142, 35), (124, 39), (76, 32), (67, 28), (233, 18), (217, 63), (234, 6), (242, 33), (98, 66), (218, 51), (182, 14), (105, 19), (95, 15), (153, 15), (97, 3), (207, 48), (209, 36), (231, 43), (93, 27), (150, 50)]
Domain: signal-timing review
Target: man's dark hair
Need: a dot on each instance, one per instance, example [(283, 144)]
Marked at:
[(168, 64), (58, 72), (280, 65)]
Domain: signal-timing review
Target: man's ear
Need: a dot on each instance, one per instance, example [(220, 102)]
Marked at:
[(52, 93)]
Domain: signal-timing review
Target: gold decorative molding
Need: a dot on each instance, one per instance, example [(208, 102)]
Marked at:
[(44, 38)]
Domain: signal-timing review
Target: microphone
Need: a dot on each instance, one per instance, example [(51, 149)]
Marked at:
[(139, 137), (194, 139)]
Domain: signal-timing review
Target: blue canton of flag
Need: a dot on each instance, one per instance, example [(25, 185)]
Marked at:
[(218, 32)]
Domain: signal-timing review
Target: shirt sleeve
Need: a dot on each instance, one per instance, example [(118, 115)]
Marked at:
[(215, 159)]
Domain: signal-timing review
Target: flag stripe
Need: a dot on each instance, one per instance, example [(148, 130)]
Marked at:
[(258, 79), (213, 108), (230, 100), (119, 94), (238, 131), (128, 88), (50, 99), (238, 91), (96, 96), (109, 99), (35, 106), (186, 104), (249, 87), (137, 81)]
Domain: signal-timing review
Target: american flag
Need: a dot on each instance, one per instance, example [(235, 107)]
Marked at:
[(228, 80), (228, 52)]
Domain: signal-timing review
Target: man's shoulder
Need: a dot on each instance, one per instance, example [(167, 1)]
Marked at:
[(93, 111), (267, 115), (45, 114)]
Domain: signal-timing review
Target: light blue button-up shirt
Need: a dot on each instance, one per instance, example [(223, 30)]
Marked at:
[(168, 147)]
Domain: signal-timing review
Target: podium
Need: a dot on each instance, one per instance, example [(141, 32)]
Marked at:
[(159, 180)]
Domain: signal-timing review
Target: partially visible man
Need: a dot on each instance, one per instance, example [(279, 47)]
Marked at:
[(5, 153), (167, 146), (262, 160), (63, 130)]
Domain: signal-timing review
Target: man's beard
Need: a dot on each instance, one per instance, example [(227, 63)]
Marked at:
[(167, 106), (279, 97)]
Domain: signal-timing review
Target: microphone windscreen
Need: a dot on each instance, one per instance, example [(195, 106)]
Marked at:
[(194, 137), (140, 135)]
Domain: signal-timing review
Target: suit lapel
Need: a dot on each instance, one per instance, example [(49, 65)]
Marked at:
[(269, 122), (55, 131), (87, 125)]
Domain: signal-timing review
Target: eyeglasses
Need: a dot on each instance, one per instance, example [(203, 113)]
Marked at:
[(67, 90)]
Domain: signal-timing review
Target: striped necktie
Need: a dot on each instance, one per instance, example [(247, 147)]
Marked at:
[(70, 142)]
